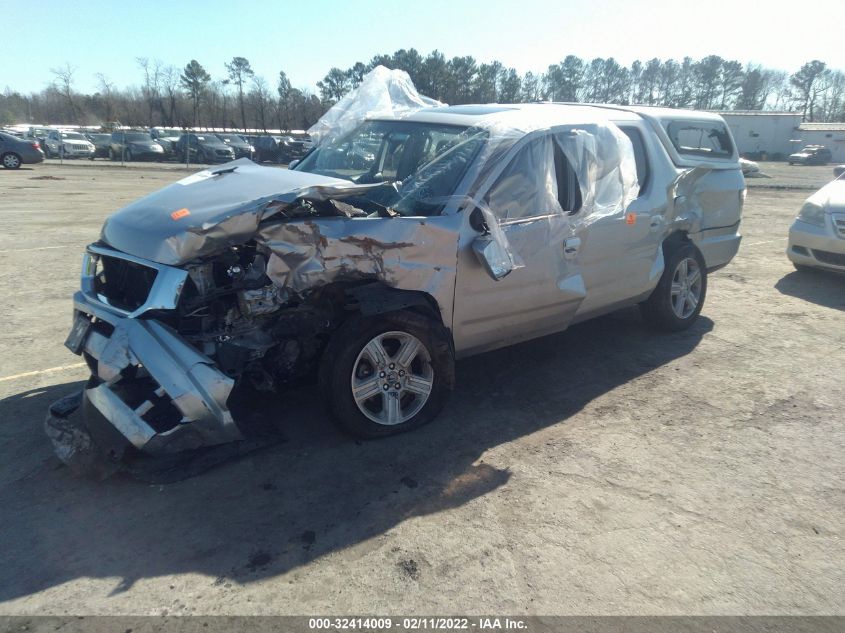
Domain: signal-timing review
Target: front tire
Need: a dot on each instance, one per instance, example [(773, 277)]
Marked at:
[(11, 161), (679, 296), (387, 374)]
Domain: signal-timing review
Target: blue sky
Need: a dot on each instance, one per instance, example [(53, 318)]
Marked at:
[(306, 38)]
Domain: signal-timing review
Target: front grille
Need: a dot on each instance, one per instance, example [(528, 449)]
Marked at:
[(826, 257), (79, 148), (223, 152), (125, 285), (839, 224)]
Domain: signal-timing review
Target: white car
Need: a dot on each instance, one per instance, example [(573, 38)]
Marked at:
[(817, 237), (67, 145)]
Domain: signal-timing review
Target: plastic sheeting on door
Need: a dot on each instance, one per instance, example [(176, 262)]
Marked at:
[(383, 93), (598, 156)]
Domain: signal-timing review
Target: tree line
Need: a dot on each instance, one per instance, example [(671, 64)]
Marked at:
[(239, 98)]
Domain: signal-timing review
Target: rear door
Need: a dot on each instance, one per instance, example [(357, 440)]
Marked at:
[(619, 251)]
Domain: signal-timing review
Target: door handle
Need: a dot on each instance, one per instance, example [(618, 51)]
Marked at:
[(656, 222), (571, 247)]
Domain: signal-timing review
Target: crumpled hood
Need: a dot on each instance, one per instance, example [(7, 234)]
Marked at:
[(208, 211)]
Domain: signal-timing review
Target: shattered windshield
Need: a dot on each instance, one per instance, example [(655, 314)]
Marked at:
[(427, 159)]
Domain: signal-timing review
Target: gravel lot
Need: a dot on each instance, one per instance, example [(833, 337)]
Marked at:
[(605, 470)]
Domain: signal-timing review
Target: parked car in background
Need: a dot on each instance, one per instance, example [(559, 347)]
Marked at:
[(101, 142), (280, 149), (38, 133), (243, 149), (811, 155), (130, 145), (15, 151), (204, 148), (469, 229), (167, 138), (817, 237), (60, 144), (266, 149)]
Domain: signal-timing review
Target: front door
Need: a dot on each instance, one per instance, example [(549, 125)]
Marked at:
[(543, 293)]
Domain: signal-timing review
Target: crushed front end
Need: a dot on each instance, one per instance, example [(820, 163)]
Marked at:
[(166, 344), (176, 310)]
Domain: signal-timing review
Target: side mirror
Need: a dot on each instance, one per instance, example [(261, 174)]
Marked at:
[(838, 171), (496, 260), (293, 163)]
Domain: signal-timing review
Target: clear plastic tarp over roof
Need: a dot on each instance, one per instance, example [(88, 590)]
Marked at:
[(382, 93)]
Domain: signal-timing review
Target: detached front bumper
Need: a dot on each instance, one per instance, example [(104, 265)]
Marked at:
[(159, 393)]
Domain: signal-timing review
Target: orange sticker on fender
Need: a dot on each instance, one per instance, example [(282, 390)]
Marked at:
[(631, 218), (181, 213)]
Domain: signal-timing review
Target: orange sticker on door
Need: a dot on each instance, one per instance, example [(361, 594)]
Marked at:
[(181, 213), (631, 218)]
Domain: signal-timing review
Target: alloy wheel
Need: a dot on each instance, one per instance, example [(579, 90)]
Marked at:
[(686, 288), (392, 378)]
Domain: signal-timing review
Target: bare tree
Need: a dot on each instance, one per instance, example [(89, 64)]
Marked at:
[(64, 84), (170, 86), (107, 91), (259, 98)]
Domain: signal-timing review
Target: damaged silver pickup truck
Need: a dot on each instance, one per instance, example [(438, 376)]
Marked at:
[(389, 252)]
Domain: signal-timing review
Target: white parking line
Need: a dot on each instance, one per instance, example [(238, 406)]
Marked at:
[(780, 239), (38, 372), (37, 248)]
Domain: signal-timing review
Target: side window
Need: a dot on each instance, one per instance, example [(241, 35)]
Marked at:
[(523, 189), (568, 189), (709, 139), (640, 156)]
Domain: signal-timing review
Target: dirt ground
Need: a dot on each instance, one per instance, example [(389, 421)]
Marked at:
[(605, 470)]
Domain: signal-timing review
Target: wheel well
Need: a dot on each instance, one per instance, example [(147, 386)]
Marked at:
[(675, 240), (377, 298)]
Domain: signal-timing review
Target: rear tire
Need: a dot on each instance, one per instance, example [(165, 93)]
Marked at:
[(676, 302), (405, 363), (11, 161)]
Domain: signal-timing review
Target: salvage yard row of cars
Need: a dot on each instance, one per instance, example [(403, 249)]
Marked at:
[(160, 144)]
